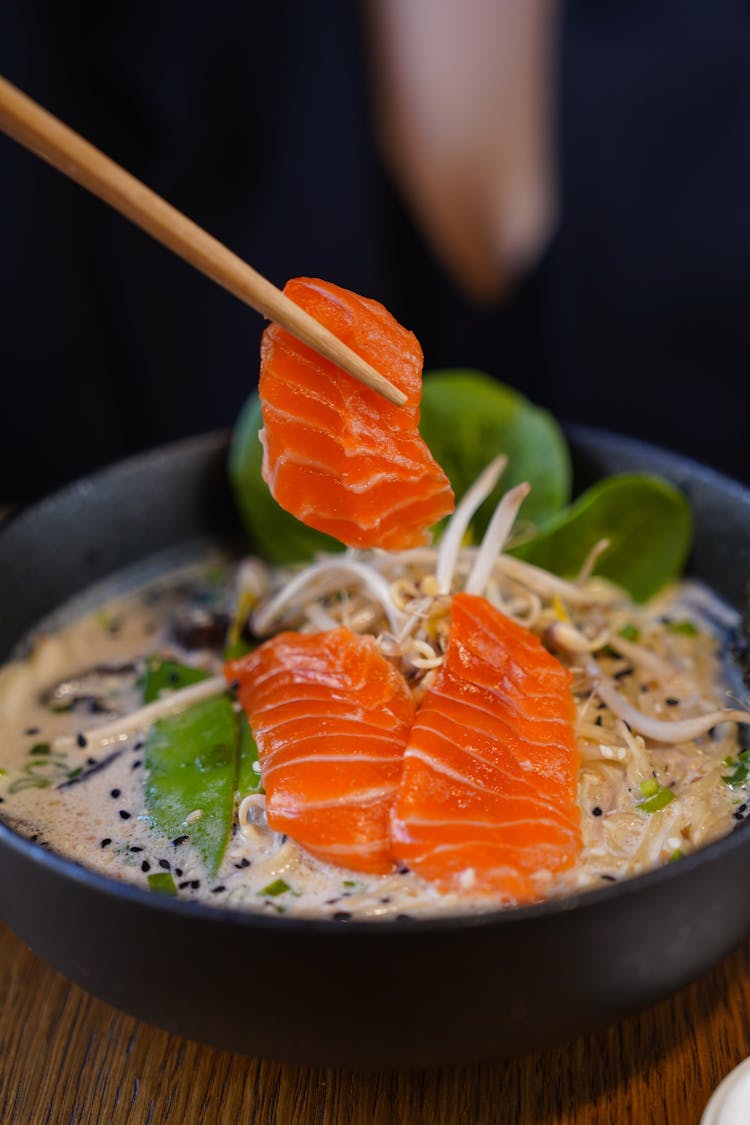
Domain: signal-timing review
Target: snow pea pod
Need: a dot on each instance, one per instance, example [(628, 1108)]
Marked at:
[(192, 760)]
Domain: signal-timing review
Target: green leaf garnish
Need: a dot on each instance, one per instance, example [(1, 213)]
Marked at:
[(740, 769), (629, 633), (467, 418), (162, 883), (647, 521), (22, 783), (277, 887)]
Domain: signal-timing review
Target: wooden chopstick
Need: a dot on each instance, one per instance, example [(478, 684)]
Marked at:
[(30, 125)]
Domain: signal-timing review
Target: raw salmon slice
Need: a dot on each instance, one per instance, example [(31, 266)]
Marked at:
[(331, 718), (337, 455), (488, 795)]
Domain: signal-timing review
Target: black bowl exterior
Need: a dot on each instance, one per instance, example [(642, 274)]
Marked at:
[(360, 994)]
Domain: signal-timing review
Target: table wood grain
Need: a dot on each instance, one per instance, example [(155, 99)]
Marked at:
[(67, 1058)]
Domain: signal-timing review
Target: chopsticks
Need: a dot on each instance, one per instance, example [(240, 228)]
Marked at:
[(30, 125)]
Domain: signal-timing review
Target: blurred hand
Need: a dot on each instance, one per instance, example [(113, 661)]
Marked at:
[(464, 109)]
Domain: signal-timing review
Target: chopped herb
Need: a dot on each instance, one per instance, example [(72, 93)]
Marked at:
[(40, 748), (682, 628), (740, 768), (650, 787), (278, 887), (676, 854), (629, 632), (2, 772), (349, 883), (74, 773), (162, 883)]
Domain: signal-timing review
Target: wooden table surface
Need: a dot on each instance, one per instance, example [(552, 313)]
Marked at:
[(68, 1058)]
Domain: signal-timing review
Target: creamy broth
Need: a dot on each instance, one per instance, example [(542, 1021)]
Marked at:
[(86, 801)]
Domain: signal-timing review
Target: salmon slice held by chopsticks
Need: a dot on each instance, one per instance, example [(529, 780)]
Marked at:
[(337, 455), (488, 796), (331, 717)]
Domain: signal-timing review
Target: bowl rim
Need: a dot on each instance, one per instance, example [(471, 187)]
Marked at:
[(574, 902)]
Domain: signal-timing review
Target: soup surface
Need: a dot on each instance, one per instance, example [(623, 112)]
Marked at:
[(643, 801)]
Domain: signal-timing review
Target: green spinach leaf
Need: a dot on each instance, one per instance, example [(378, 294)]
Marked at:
[(467, 418), (647, 520)]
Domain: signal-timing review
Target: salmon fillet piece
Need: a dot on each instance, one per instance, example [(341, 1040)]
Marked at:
[(330, 716), (488, 795), (336, 454)]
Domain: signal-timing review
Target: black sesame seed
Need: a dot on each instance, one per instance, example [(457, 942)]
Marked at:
[(341, 916), (403, 917), (402, 870), (105, 843), (2, 800), (115, 793), (145, 866), (165, 864), (386, 898), (31, 731), (644, 688), (742, 808), (598, 721), (608, 878), (91, 761), (34, 838), (195, 884), (178, 872), (738, 815), (179, 840), (218, 890), (596, 811), (244, 862), (135, 849), (333, 901), (138, 745), (124, 814), (623, 673), (183, 886), (234, 685), (82, 740), (136, 765), (671, 701)]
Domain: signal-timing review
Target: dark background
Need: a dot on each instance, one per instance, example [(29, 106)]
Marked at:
[(254, 119)]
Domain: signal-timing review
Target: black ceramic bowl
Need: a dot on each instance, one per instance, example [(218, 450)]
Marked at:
[(360, 994)]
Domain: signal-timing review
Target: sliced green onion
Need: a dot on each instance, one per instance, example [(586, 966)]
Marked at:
[(650, 787), (682, 628), (162, 883), (629, 632), (278, 887), (659, 801), (40, 748), (676, 854)]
